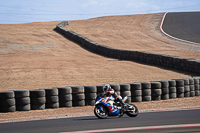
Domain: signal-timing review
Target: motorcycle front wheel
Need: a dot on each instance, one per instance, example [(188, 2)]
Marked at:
[(100, 112), (132, 110)]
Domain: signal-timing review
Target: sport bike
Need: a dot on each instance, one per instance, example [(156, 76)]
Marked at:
[(108, 106)]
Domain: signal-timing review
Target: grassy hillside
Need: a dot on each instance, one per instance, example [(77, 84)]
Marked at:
[(34, 56)]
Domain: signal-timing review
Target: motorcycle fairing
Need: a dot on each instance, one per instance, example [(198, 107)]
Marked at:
[(108, 102)]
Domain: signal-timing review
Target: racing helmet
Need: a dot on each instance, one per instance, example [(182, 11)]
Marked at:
[(107, 87)]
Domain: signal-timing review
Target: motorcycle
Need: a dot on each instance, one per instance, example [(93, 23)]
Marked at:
[(103, 106)]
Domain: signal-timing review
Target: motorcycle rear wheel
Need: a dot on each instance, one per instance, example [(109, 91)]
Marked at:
[(134, 112), (100, 113)]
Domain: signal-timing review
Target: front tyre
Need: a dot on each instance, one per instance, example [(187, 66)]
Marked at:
[(100, 112), (132, 110)]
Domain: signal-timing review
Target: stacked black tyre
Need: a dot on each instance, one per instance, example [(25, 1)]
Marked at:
[(180, 88), (90, 95), (7, 101), (125, 90), (116, 87), (165, 89), (136, 92), (156, 91), (22, 98), (99, 89), (191, 85), (78, 96), (172, 89), (52, 100), (65, 96), (38, 99), (186, 88), (146, 91), (196, 86)]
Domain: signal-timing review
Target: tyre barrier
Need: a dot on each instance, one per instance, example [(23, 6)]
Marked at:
[(180, 88), (65, 96), (7, 101), (38, 99), (71, 96), (172, 89), (125, 90), (22, 99), (90, 95), (136, 92), (116, 87), (78, 96), (165, 89), (146, 91), (186, 88), (52, 100), (191, 85), (156, 90), (99, 89), (161, 60), (197, 86)]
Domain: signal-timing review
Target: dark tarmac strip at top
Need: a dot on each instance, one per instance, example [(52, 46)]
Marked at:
[(184, 25), (87, 123)]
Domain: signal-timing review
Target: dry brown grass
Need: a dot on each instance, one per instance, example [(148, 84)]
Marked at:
[(35, 56)]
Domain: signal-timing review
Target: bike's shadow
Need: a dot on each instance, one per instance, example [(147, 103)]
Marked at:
[(87, 118)]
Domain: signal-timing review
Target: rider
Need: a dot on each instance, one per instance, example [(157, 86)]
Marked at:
[(108, 91)]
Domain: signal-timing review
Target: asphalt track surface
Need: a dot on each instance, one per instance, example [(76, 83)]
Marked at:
[(145, 119), (184, 25)]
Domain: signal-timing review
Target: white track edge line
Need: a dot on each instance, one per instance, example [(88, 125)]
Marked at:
[(138, 128)]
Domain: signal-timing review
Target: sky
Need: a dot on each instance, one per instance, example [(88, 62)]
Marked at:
[(27, 11)]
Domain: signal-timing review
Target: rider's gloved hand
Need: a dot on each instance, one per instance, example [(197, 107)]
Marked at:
[(120, 98)]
